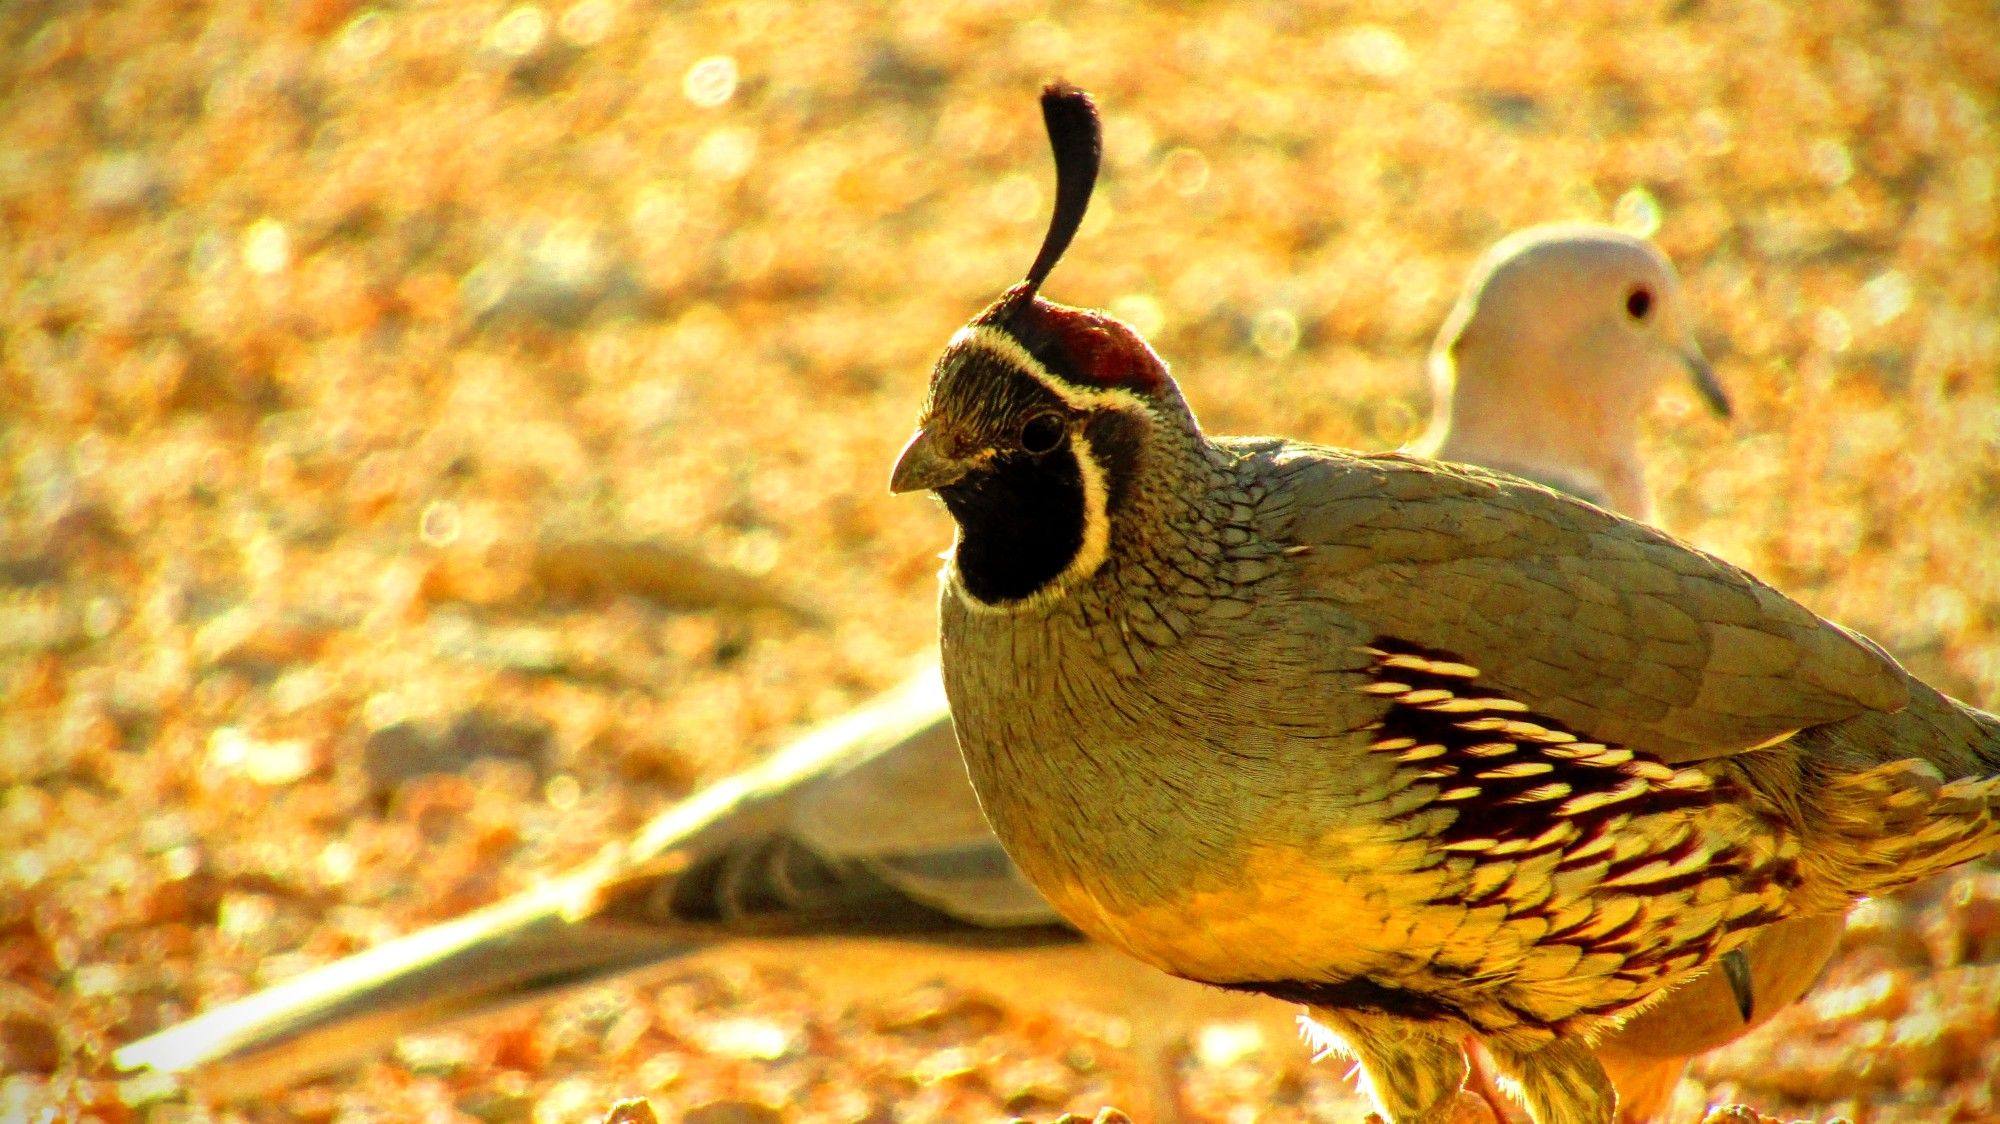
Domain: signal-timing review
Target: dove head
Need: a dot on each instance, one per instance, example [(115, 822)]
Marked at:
[(1561, 338)]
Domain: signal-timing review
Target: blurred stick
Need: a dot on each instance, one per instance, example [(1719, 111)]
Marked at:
[(675, 576)]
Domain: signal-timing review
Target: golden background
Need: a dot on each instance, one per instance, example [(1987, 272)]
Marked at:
[(411, 368)]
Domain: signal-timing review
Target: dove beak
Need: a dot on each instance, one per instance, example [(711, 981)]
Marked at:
[(924, 466), (1705, 382)]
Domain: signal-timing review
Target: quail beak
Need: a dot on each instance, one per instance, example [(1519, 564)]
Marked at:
[(923, 466), (1705, 382)]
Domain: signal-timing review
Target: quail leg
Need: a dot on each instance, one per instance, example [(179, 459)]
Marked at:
[(1562, 1083), (1413, 1070), (1481, 1082)]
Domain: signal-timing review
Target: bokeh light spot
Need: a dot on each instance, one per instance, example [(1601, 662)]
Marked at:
[(1017, 197), (365, 36), (1887, 295), (562, 792), (1128, 139), (267, 247), (1184, 171), (1275, 332), (726, 153), (1831, 330), (1830, 162), (1142, 311), (710, 82), (1375, 51), (1222, 1044), (440, 524), (1637, 213), (520, 32), (587, 23)]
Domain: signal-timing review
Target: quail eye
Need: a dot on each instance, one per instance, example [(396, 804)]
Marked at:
[(1042, 433), (1638, 302)]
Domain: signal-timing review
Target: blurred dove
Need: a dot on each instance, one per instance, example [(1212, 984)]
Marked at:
[(1561, 336)]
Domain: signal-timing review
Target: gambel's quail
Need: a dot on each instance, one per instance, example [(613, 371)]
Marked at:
[(868, 827), (863, 840), (1433, 750)]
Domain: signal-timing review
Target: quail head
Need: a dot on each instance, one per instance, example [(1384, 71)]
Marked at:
[(1432, 750), (1561, 331)]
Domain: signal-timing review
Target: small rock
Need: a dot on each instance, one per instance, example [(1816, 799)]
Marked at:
[(747, 1038), (637, 1110), (1028, 1083), (940, 1011), (435, 1055), (1889, 925), (268, 763), (732, 1112), (1965, 927), (1738, 1114), (151, 1089), (1879, 995), (556, 274), (400, 752), (257, 641), (119, 181), (678, 577), (504, 1101), (28, 1045)]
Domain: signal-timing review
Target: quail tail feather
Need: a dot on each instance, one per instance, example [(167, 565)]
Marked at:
[(1893, 798)]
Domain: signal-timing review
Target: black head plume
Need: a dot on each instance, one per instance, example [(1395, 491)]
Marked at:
[(1078, 142), (1073, 344)]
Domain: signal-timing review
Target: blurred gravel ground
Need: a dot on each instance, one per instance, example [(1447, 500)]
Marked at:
[(339, 341)]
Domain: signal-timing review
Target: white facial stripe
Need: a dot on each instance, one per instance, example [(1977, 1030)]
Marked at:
[(1089, 556), (1096, 517), (988, 338)]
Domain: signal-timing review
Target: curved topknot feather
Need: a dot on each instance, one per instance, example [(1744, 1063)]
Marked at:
[(1077, 140)]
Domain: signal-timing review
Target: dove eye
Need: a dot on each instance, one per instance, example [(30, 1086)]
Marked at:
[(1042, 433), (1638, 302)]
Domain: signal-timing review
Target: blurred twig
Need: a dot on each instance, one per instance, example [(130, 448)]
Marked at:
[(670, 574)]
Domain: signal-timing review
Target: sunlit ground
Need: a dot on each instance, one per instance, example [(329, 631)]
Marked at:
[(331, 332)]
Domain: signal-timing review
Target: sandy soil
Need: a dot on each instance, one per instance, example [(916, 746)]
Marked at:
[(373, 380)]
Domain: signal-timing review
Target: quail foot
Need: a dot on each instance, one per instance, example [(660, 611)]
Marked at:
[(1433, 750)]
